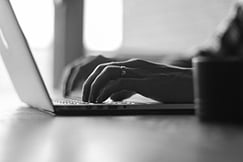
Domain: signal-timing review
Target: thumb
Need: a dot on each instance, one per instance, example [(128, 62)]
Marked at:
[(122, 95)]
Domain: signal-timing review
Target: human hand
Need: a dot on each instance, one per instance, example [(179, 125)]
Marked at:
[(122, 79), (78, 71)]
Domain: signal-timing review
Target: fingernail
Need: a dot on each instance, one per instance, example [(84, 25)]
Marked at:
[(65, 94)]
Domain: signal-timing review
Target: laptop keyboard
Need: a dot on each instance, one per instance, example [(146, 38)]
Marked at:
[(73, 101), (69, 101)]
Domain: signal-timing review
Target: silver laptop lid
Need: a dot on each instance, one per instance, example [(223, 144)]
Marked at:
[(19, 61)]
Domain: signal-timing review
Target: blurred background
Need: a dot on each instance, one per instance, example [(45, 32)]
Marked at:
[(58, 31)]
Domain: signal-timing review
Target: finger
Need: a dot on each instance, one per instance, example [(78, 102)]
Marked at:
[(79, 70), (67, 81), (70, 73), (117, 86), (108, 74), (86, 69), (87, 84), (119, 96), (77, 78)]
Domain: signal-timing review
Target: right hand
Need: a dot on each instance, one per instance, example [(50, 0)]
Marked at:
[(157, 81), (78, 71)]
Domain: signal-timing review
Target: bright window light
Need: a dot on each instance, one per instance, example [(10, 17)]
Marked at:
[(36, 18), (103, 21)]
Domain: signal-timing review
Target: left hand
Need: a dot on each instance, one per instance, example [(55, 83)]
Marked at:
[(160, 82)]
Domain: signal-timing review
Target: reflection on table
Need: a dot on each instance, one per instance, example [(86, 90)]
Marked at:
[(28, 135)]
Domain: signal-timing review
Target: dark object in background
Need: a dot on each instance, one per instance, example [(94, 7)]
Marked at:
[(218, 91)]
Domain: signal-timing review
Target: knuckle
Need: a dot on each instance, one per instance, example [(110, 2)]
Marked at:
[(105, 66), (72, 65), (135, 60), (109, 68), (100, 67), (69, 69)]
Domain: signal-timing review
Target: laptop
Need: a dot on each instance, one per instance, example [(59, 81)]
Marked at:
[(29, 85)]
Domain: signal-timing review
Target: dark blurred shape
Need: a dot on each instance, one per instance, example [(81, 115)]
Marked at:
[(218, 89)]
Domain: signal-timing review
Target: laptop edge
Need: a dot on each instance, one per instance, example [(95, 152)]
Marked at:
[(32, 90)]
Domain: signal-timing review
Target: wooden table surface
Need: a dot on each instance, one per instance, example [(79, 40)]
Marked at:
[(28, 135)]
